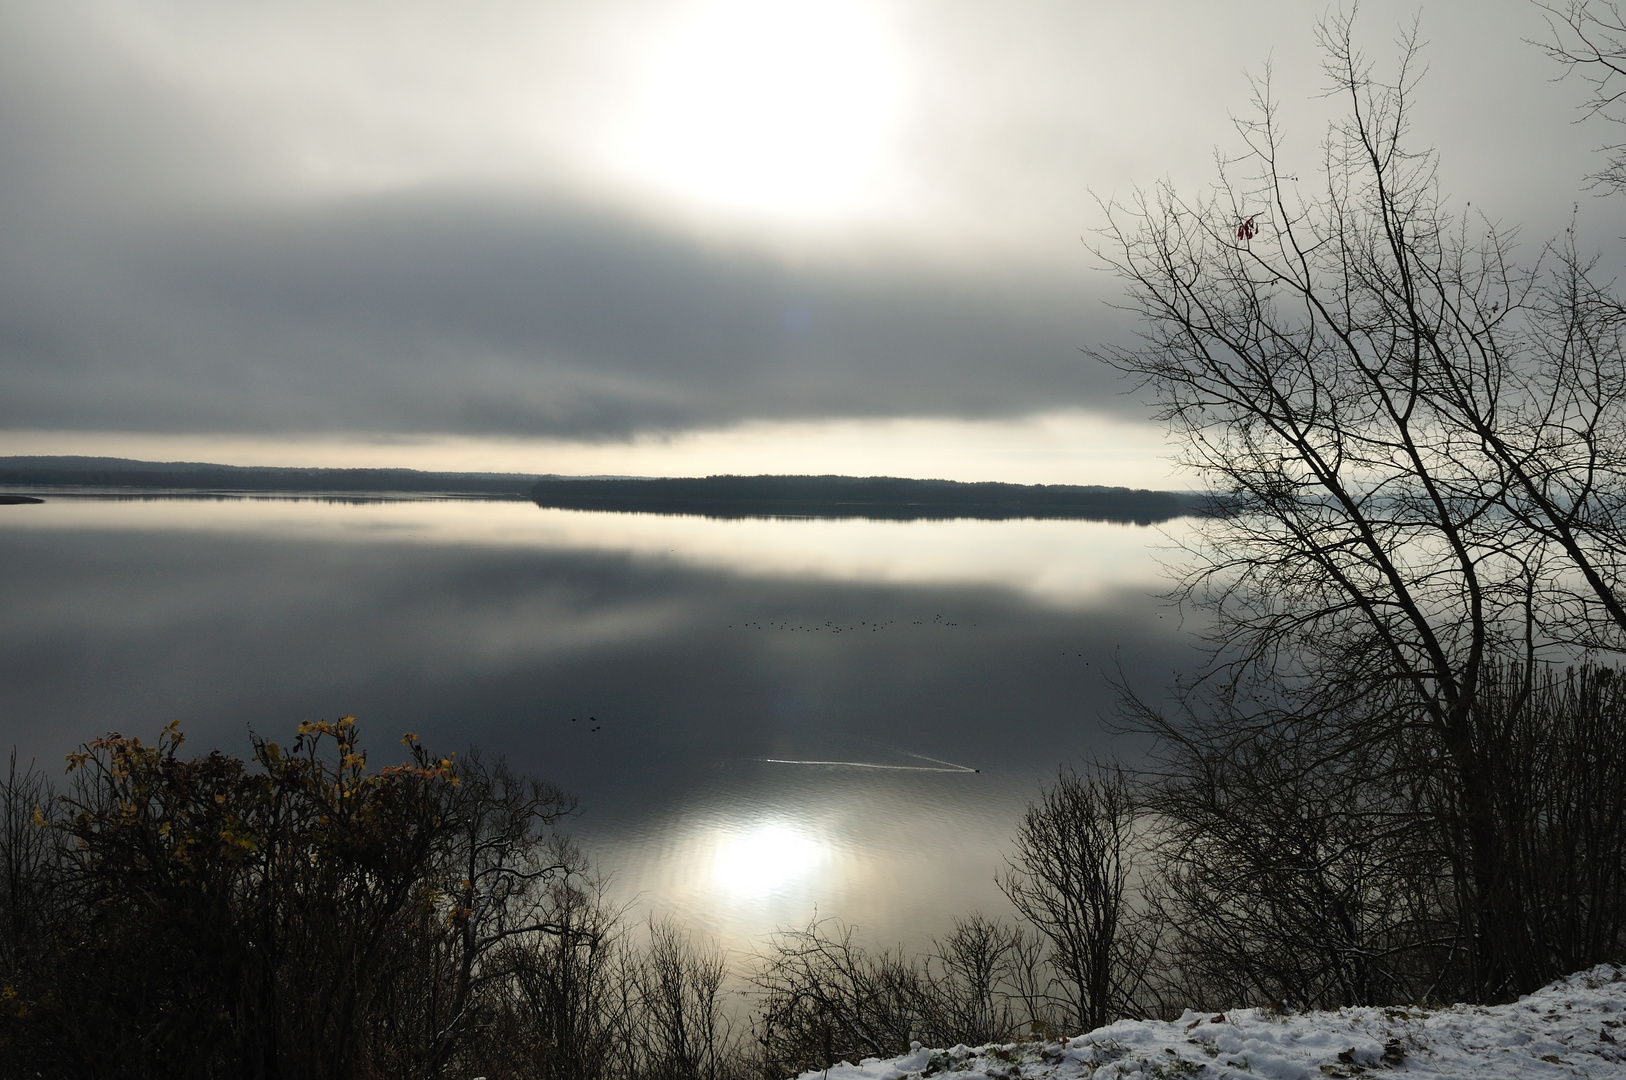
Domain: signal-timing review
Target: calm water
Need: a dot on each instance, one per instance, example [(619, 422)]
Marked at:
[(793, 717)]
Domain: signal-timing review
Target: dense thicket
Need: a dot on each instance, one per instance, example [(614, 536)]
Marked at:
[(298, 915), (1289, 863)]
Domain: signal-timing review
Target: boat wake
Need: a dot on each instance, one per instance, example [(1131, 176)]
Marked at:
[(937, 766)]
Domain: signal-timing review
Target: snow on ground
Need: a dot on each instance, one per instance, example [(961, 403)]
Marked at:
[(1575, 1027)]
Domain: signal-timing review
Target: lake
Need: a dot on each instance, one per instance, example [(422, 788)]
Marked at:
[(764, 720)]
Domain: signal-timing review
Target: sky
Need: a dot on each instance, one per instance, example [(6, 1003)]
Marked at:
[(657, 237)]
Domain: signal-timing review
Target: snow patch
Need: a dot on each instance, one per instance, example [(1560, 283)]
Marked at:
[(1574, 1028)]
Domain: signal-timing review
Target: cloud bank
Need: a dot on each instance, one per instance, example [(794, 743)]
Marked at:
[(406, 220)]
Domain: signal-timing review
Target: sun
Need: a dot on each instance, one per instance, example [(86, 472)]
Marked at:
[(776, 106)]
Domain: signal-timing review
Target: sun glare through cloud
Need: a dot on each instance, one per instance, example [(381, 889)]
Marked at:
[(778, 108)]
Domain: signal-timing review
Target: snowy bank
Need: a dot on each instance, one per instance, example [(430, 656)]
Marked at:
[(1575, 1027)]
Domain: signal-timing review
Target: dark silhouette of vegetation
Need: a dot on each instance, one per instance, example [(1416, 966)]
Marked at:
[(301, 916), (825, 998), (678, 1027), (1069, 877), (1419, 441), (882, 497), (1289, 862), (121, 474)]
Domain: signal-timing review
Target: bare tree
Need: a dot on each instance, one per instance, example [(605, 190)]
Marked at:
[(679, 1020), (1589, 40), (1068, 877), (825, 998), (565, 996), (500, 867), (30, 856), (969, 979), (1418, 447)]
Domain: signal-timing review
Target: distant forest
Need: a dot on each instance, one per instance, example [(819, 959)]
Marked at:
[(116, 474), (881, 497), (864, 497)]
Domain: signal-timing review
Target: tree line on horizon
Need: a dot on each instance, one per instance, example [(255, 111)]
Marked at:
[(121, 473), (892, 498), (884, 497)]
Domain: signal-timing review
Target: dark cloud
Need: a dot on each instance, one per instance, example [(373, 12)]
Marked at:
[(460, 311), (175, 259), (155, 278)]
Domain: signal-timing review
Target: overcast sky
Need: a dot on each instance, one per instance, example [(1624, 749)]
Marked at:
[(647, 236)]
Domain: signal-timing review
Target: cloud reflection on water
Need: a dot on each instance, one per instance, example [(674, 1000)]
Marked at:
[(1056, 561), (697, 648)]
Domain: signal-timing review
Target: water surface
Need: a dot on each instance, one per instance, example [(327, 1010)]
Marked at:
[(763, 719)]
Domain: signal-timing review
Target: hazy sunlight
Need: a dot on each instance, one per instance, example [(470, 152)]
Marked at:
[(778, 107)]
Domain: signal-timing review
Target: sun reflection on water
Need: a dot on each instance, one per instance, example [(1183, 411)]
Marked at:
[(766, 857)]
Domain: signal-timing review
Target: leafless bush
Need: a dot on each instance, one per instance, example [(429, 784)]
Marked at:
[(825, 998), (677, 1020), (30, 864), (1558, 773), (1069, 877), (1293, 867), (973, 984)]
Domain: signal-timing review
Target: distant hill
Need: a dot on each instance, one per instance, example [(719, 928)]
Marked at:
[(120, 473), (880, 497)]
